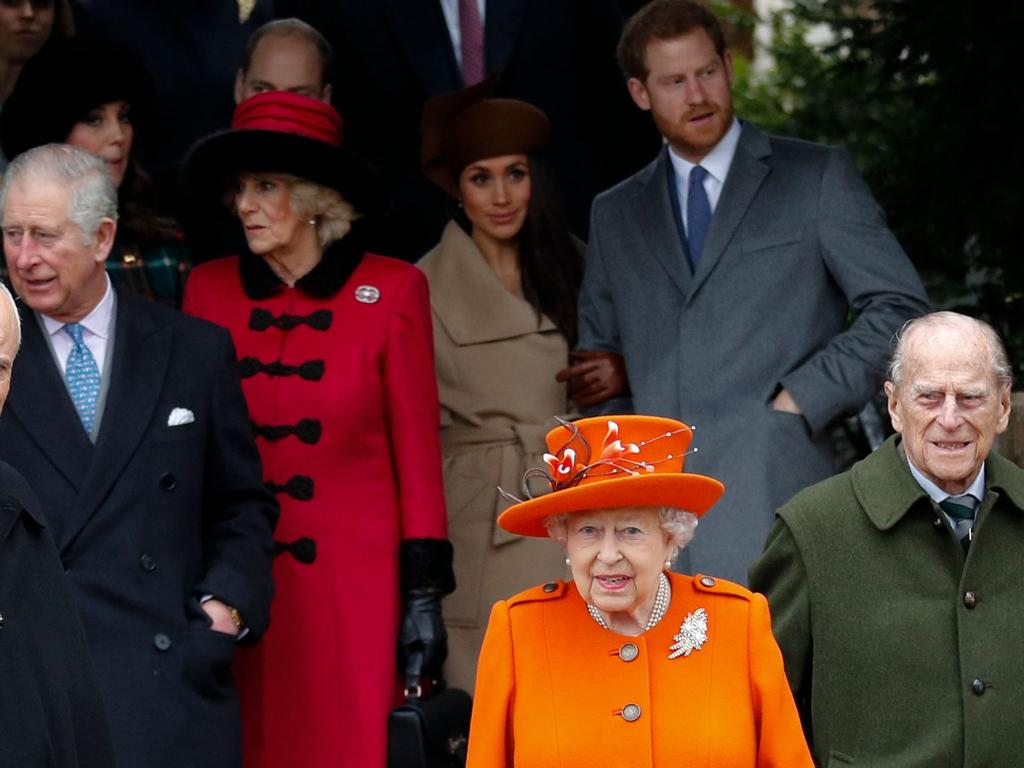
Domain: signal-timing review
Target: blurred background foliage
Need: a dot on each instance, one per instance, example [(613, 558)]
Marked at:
[(925, 94)]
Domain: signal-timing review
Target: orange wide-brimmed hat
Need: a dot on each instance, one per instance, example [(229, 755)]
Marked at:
[(610, 462)]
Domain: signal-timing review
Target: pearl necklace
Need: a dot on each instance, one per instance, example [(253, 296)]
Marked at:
[(661, 601)]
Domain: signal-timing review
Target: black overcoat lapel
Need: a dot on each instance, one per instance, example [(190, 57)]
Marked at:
[(423, 37), (502, 22), (39, 400), (138, 372)]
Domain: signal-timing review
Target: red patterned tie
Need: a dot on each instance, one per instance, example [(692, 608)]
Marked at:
[(471, 30)]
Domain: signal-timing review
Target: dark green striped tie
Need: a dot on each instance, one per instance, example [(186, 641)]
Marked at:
[(963, 519)]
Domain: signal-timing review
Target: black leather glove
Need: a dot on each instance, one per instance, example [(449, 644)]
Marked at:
[(426, 577), (422, 639)]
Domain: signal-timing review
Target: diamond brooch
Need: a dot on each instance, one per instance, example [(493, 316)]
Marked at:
[(693, 633)]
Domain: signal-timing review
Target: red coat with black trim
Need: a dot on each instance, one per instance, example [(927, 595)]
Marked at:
[(338, 372)]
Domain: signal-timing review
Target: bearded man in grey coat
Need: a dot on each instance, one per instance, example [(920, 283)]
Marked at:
[(725, 274)]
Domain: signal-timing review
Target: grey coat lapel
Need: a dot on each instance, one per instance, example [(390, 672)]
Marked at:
[(40, 401), (142, 353), (652, 209), (746, 175)]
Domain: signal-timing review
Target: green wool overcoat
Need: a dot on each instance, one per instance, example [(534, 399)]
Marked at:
[(901, 652)]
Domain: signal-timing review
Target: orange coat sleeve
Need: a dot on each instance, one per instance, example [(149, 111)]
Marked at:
[(490, 730), (413, 412), (781, 742)]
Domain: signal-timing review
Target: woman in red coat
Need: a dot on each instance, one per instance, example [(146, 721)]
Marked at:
[(336, 356)]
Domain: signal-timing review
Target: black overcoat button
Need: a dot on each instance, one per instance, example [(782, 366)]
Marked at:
[(970, 599), (978, 686), (550, 586), (167, 481), (161, 641), (707, 581), (148, 563)]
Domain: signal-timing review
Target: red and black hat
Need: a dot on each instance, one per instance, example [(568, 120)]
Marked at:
[(283, 132)]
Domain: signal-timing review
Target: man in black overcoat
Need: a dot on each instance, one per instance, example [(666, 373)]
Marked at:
[(128, 421)]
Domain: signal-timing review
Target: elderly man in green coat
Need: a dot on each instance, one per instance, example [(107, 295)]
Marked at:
[(896, 587)]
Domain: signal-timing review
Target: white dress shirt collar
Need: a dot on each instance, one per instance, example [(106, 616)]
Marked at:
[(976, 488), (97, 335), (717, 163), (97, 322)]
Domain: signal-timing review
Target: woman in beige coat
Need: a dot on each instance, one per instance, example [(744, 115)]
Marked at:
[(503, 284)]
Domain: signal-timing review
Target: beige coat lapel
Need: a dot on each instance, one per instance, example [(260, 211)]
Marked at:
[(467, 297)]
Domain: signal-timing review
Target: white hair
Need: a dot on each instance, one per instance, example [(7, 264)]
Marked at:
[(678, 523), (92, 195), (9, 299), (998, 359)]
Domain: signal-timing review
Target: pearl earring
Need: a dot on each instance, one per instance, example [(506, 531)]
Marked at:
[(668, 565), (567, 561), (312, 222)]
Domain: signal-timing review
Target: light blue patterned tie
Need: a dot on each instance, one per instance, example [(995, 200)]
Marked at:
[(83, 377), (698, 214)]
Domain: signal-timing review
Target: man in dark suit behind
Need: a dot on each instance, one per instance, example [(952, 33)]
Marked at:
[(725, 273), (128, 420), (392, 55)]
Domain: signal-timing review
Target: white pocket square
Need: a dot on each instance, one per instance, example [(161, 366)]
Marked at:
[(180, 416)]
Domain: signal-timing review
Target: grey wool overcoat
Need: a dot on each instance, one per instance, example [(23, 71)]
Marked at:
[(795, 245), (901, 651)]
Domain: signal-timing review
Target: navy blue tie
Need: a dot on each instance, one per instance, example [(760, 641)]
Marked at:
[(698, 213)]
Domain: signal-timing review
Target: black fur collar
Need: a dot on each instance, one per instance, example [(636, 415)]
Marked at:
[(339, 261)]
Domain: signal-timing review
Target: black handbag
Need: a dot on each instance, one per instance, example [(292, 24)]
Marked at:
[(429, 731)]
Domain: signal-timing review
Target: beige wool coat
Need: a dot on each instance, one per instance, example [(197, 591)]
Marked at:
[(496, 362)]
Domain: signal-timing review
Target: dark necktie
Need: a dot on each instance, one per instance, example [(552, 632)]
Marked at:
[(698, 214), (471, 33), (962, 516)]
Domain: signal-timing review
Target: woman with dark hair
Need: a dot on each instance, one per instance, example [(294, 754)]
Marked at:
[(503, 284), (95, 95)]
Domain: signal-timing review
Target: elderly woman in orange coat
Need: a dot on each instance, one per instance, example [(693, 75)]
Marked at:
[(629, 663)]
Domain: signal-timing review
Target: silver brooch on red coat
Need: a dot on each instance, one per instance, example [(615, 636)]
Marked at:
[(368, 294)]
